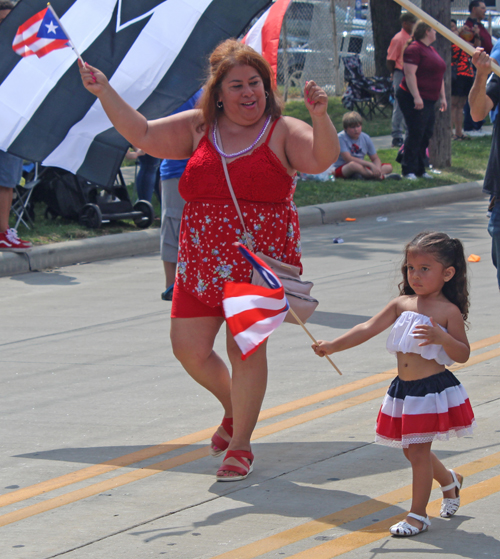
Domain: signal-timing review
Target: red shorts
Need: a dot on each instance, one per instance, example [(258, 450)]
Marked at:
[(338, 172), (185, 305)]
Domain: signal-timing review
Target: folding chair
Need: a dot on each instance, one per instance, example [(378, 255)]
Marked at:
[(21, 206), (368, 96)]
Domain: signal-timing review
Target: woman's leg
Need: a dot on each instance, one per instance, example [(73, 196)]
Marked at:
[(421, 461), (414, 132), (456, 122), (249, 381), (459, 123), (352, 168), (192, 344)]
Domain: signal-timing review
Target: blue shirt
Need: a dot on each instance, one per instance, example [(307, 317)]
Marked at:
[(173, 168), (495, 53)]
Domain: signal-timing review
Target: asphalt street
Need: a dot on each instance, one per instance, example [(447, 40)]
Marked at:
[(105, 438)]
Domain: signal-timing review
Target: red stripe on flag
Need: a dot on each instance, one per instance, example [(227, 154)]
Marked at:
[(33, 19), (271, 33), (245, 319), (54, 45), (26, 43)]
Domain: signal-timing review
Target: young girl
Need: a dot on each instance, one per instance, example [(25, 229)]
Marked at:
[(425, 401)]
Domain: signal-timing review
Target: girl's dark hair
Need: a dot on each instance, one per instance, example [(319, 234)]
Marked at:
[(448, 252), (225, 57)]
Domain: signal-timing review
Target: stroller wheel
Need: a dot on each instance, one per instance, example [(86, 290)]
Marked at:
[(90, 216), (147, 212)]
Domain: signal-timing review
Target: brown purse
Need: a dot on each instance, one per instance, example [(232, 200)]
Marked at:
[(298, 292)]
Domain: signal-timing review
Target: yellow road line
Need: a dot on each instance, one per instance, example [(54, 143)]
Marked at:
[(170, 463), (361, 510), (169, 446), (380, 530), (191, 456)]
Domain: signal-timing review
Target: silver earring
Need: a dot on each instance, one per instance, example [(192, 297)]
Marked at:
[(219, 104), (267, 95)]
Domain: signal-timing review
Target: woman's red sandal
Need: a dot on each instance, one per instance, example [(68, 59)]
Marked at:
[(219, 445), (244, 470)]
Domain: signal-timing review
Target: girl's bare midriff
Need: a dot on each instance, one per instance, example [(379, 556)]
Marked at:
[(412, 366)]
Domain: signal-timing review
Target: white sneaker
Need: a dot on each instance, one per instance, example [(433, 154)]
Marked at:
[(410, 177), (476, 133), (427, 176)]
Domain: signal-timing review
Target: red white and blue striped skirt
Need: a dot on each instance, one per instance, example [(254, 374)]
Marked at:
[(421, 411)]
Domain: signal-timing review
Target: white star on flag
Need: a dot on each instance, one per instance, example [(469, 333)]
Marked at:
[(51, 28)]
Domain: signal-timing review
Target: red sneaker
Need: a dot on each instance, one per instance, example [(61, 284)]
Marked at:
[(9, 241)]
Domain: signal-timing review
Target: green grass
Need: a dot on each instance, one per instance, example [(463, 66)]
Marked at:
[(378, 126), (468, 164), (469, 161)]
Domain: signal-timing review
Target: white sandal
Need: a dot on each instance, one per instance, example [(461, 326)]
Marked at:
[(403, 529), (450, 506)]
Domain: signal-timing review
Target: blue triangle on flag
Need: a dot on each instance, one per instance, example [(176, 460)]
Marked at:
[(50, 28)]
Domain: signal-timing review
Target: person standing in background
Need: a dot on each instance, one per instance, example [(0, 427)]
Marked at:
[(172, 205), (462, 78), (422, 86), (481, 38), (395, 67), (11, 169)]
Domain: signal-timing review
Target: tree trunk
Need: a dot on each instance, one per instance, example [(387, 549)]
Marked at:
[(440, 145), (385, 24)]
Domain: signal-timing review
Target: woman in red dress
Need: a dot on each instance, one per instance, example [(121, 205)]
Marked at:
[(264, 151)]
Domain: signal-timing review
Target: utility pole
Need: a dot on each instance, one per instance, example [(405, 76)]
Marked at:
[(336, 61)]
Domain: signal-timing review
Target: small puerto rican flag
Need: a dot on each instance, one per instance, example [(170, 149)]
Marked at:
[(39, 35), (253, 312)]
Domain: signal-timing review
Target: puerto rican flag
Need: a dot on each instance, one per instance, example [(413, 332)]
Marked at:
[(253, 312), (40, 35), (154, 53), (264, 35)]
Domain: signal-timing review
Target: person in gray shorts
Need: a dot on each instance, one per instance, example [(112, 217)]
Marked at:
[(172, 206), (171, 213)]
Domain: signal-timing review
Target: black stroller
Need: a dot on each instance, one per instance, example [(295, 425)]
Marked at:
[(367, 96), (72, 197)]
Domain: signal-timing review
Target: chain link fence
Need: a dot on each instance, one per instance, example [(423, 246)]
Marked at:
[(307, 46)]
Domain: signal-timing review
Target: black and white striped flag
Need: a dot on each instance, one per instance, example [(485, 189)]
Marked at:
[(154, 53)]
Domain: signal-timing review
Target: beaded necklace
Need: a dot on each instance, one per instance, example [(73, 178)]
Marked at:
[(231, 155)]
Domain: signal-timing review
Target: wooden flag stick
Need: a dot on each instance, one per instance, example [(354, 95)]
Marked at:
[(294, 314), (442, 30)]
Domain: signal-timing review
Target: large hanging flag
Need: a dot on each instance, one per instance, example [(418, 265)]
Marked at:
[(40, 35), (264, 35), (253, 312), (154, 52)]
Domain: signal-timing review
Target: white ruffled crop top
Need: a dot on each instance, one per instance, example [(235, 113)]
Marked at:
[(402, 340)]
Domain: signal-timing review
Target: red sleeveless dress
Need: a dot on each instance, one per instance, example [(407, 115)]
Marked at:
[(210, 224)]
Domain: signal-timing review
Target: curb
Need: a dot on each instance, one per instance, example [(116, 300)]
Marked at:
[(148, 241), (389, 203)]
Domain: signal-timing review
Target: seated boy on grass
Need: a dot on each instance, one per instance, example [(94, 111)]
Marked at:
[(354, 146)]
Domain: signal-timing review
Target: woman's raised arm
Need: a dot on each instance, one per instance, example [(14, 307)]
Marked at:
[(171, 137), (313, 150)]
